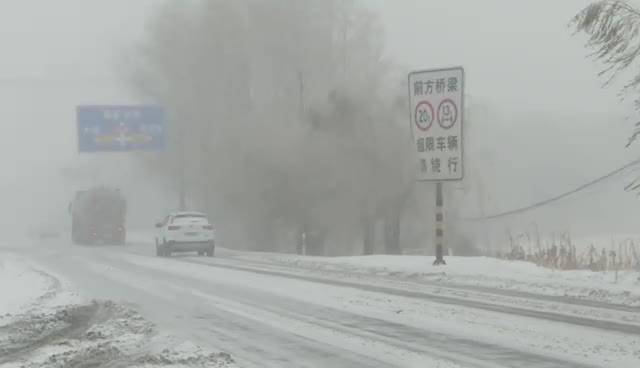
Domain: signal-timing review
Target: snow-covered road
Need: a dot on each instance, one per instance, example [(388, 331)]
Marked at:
[(274, 314)]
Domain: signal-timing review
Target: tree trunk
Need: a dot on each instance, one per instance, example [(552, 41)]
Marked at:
[(368, 236), (392, 215), (300, 239), (392, 233), (316, 241)]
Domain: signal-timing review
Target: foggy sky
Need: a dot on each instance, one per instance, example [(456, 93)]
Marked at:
[(519, 58), (518, 54)]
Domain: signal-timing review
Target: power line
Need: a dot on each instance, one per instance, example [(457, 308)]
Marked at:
[(557, 197)]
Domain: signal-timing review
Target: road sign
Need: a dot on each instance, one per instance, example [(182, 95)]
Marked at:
[(111, 128), (436, 103)]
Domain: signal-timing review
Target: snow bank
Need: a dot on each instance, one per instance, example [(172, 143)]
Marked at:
[(97, 334), (45, 324), (479, 271), (20, 285)]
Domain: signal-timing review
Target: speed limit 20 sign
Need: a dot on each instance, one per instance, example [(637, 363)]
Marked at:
[(436, 106)]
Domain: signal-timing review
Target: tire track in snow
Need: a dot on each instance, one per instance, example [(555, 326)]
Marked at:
[(625, 328), (284, 312), (449, 285), (466, 352), (252, 343)]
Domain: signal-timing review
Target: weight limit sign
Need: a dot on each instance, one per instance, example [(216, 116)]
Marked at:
[(436, 100)]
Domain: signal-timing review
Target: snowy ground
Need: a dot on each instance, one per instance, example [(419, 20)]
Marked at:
[(476, 271), (274, 310), (45, 324), (19, 285)]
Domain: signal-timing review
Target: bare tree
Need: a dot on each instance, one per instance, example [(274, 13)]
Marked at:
[(613, 30), (282, 121)]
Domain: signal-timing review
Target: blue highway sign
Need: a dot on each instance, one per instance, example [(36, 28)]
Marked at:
[(121, 128)]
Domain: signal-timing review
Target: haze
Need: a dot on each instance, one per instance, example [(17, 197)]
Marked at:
[(319, 183), (529, 81)]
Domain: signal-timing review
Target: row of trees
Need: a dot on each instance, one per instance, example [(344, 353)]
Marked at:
[(286, 122), (289, 126)]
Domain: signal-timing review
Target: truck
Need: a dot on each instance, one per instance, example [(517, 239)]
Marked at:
[(98, 216)]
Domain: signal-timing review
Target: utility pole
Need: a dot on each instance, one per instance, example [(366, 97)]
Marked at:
[(182, 190), (182, 200), (301, 107), (301, 235)]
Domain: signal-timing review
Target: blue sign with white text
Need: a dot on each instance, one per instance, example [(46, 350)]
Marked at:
[(121, 128)]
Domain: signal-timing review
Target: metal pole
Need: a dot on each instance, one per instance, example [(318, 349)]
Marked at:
[(183, 194), (439, 226), (182, 190)]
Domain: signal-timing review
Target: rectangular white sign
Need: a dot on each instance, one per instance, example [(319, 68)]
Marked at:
[(436, 100)]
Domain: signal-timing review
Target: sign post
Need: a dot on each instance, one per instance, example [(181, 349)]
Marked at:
[(436, 100)]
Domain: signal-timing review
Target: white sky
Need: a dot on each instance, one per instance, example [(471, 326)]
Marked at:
[(67, 37), (516, 53)]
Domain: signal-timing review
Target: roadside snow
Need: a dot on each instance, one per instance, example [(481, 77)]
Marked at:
[(45, 324), (477, 271), (20, 285), (96, 334)]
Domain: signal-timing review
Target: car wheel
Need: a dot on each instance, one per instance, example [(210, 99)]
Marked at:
[(201, 253), (163, 249), (167, 248)]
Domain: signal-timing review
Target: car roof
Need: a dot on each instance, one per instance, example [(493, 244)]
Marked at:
[(187, 213)]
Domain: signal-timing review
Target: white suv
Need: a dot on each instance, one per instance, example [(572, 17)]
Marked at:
[(185, 232)]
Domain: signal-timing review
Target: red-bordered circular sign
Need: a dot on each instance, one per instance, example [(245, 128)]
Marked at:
[(424, 116), (447, 113)]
